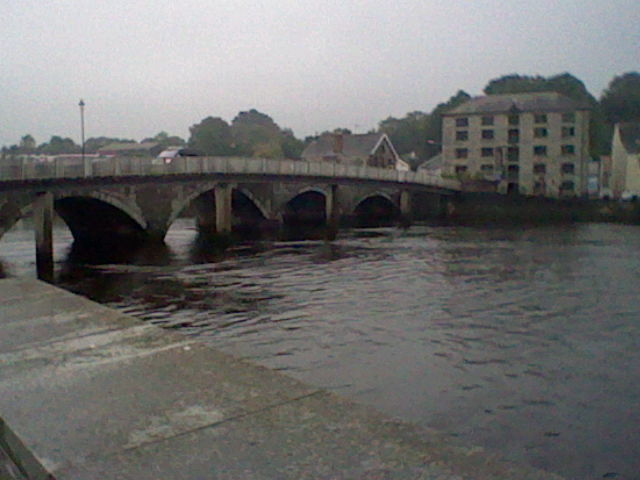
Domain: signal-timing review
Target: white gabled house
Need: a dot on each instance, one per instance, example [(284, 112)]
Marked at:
[(625, 160), (363, 150)]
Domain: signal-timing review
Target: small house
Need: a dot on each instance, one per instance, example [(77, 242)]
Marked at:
[(625, 161), (365, 150)]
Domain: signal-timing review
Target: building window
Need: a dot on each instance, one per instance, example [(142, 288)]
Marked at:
[(569, 117), (539, 188), (568, 149), (487, 120), (462, 153), (462, 135), (540, 150), (568, 132), (514, 135), (486, 152), (539, 168), (462, 122), (540, 132), (514, 119), (513, 154), (568, 168), (540, 118), (567, 187), (460, 169), (486, 168), (487, 134), (512, 172)]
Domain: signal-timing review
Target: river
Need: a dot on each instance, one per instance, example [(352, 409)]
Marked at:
[(522, 340)]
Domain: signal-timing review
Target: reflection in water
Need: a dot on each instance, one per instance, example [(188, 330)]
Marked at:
[(522, 340), (121, 253)]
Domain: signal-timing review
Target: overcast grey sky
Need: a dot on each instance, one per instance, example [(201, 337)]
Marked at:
[(143, 66)]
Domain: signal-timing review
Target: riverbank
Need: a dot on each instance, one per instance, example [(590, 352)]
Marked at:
[(86, 392), (483, 208)]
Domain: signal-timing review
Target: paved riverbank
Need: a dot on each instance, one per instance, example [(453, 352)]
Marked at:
[(88, 393)]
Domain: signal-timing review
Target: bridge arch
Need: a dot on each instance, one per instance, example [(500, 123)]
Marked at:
[(97, 206), (122, 204), (284, 204), (246, 207), (306, 209), (12, 211), (100, 218), (376, 209), (255, 201), (188, 199), (376, 193)]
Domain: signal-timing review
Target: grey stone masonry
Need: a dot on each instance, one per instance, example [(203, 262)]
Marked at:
[(88, 393)]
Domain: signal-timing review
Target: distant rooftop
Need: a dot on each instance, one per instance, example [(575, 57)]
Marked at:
[(129, 146), (434, 163), (630, 136), (519, 102), (361, 145)]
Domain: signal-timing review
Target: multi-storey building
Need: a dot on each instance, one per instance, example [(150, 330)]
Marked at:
[(531, 143)]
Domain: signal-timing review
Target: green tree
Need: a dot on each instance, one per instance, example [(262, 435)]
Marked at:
[(291, 146), (165, 140), (433, 132), (212, 136), (564, 83), (93, 144), (252, 129), (407, 134), (27, 144), (418, 132), (271, 149), (620, 102), (58, 145)]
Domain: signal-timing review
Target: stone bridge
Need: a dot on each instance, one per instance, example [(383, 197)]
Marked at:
[(110, 199)]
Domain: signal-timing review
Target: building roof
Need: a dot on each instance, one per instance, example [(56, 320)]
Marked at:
[(630, 136), (173, 152), (434, 163), (519, 102), (117, 147), (361, 145)]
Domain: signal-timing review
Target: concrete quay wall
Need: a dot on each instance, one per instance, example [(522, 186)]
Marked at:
[(88, 393)]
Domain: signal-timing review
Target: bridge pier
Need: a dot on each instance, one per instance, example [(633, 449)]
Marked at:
[(223, 194), (332, 212), (446, 206), (406, 214), (43, 225)]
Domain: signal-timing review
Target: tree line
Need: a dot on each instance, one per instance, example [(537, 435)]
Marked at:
[(416, 136)]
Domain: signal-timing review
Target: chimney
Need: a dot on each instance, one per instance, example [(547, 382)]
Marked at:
[(338, 142)]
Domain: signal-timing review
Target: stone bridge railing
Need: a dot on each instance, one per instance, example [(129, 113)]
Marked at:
[(25, 170)]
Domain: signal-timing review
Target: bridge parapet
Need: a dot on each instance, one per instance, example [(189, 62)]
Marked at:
[(21, 169)]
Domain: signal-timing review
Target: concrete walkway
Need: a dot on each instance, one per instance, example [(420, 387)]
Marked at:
[(88, 393)]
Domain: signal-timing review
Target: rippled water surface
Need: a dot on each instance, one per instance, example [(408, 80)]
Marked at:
[(525, 341)]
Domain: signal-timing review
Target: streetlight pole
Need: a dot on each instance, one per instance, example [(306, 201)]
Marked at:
[(81, 105)]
